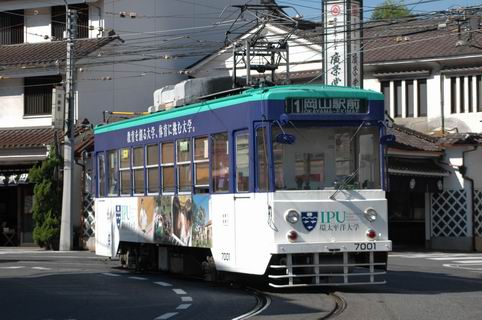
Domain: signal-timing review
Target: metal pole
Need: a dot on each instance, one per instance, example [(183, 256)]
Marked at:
[(69, 143)]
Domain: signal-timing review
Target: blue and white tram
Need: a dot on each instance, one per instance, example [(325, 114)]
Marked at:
[(282, 181)]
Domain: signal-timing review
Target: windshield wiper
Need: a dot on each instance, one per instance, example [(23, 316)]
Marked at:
[(344, 183), (350, 177)]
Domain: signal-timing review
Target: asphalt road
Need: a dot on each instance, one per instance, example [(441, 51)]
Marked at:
[(432, 286), (36, 284), (77, 285)]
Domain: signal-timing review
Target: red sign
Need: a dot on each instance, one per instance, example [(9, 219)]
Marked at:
[(335, 10)]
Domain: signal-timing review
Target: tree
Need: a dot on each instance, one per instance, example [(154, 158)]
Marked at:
[(390, 9), (48, 200)]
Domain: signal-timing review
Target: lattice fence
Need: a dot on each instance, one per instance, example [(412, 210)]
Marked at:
[(478, 213), (449, 214), (88, 216)]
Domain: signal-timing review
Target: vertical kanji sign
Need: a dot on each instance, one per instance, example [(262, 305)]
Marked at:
[(342, 46)]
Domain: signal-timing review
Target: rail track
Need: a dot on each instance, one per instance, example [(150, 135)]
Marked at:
[(340, 306)]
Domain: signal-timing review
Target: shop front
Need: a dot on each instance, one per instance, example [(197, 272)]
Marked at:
[(16, 200), (20, 150), (414, 176)]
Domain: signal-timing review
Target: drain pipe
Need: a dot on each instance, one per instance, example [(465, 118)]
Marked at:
[(442, 102), (463, 171)]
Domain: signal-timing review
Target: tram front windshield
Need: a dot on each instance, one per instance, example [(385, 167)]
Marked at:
[(326, 158)]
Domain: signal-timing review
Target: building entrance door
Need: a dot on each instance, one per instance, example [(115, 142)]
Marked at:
[(406, 218)]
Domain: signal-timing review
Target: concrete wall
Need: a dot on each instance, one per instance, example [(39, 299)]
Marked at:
[(158, 31), (37, 25)]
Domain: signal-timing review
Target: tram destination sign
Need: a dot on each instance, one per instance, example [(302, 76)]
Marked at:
[(326, 105)]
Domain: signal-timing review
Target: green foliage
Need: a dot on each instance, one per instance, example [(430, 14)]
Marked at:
[(390, 9), (48, 200)]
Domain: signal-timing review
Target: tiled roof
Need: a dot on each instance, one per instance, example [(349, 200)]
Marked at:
[(415, 167), (40, 137), (409, 139), (417, 39), (33, 54), (27, 138), (461, 138)]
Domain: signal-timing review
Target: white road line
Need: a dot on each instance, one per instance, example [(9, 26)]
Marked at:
[(186, 299), (137, 278), (41, 268), (111, 274), (163, 284), (179, 291), (13, 267), (183, 306), (464, 267), (458, 258), (166, 316), (475, 262)]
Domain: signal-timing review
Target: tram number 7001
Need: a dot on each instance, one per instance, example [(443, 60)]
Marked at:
[(365, 246)]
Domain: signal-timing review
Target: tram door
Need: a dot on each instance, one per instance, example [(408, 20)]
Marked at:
[(243, 202), (222, 204)]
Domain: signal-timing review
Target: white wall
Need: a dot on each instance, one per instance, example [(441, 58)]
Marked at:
[(453, 156), (37, 25), (371, 84), (11, 107), (473, 161), (303, 56)]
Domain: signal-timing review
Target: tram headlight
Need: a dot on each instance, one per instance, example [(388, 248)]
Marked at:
[(371, 214), (292, 216)]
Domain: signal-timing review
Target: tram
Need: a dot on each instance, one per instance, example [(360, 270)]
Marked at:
[(282, 181)]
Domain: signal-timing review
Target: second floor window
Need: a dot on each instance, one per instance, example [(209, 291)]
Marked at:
[(38, 95), (409, 97), (465, 94), (11, 27), (59, 20)]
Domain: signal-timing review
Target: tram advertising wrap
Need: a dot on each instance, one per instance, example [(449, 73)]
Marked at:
[(180, 220)]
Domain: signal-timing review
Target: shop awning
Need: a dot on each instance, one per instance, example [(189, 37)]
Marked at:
[(20, 147), (415, 167)]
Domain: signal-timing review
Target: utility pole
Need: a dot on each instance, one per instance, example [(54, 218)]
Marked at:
[(69, 142)]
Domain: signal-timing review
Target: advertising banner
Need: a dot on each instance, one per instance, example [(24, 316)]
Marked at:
[(176, 220)]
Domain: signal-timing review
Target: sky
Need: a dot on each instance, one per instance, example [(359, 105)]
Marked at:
[(310, 9)]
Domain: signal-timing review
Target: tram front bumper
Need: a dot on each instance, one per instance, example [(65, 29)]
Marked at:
[(332, 247)]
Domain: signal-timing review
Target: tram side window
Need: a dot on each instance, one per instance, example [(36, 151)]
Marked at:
[(167, 167), (220, 162), (152, 165), (101, 174), (138, 169), (112, 168), (184, 165), (262, 161), (201, 165), (125, 171), (242, 162)]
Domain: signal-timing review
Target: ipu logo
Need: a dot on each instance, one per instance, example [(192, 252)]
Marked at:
[(118, 215), (309, 219), (333, 217)]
